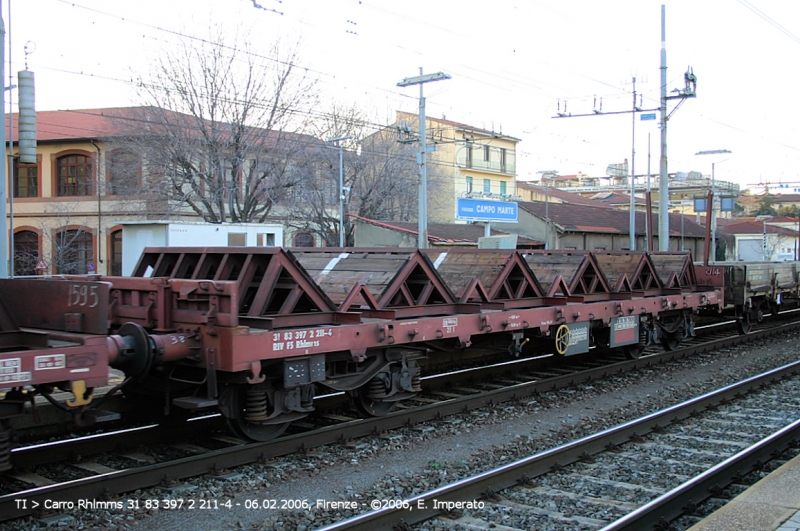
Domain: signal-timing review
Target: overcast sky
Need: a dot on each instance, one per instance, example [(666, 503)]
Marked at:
[(512, 63)]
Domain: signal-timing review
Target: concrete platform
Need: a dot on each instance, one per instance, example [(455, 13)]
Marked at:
[(772, 504)]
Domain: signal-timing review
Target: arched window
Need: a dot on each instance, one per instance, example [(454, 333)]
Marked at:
[(115, 252), (73, 252), (124, 172), (74, 177), (26, 252), (303, 239)]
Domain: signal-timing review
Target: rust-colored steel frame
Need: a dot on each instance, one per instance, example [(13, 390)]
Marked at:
[(410, 286), (676, 270), (575, 274), (266, 286), (630, 272), (72, 306), (28, 357), (237, 337), (247, 347), (493, 278), (36, 362)]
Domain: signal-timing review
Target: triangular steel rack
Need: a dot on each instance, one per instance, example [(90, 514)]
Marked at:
[(399, 282), (273, 290)]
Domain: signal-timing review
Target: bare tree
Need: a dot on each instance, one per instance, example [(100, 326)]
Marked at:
[(26, 253), (388, 188), (379, 174), (221, 129), (73, 251)]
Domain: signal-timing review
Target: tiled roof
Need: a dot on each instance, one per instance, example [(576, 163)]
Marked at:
[(723, 222), (444, 232), (581, 218), (621, 199), (774, 220), (756, 227), (78, 124), (107, 123)]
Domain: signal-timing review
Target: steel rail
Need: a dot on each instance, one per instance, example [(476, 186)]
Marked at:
[(424, 506), (115, 483), (672, 504), (64, 450)]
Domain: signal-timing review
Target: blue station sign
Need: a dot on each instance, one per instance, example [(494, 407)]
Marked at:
[(483, 210)]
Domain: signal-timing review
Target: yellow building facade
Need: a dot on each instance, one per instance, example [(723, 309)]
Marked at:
[(467, 161), (66, 209), (66, 213)]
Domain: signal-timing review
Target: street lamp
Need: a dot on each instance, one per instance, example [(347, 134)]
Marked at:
[(338, 141), (713, 199), (423, 151), (552, 174)]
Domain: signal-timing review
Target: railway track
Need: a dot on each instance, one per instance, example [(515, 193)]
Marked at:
[(639, 475), (230, 453)]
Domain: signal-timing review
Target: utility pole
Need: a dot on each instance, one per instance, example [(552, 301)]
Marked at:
[(663, 179), (342, 188), (689, 91), (4, 229), (423, 151), (632, 221)]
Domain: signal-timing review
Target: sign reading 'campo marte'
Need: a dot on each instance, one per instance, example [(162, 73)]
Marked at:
[(482, 210)]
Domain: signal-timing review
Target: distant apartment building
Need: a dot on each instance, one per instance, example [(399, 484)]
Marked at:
[(614, 189)]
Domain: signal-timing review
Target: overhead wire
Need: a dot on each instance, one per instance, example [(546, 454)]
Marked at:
[(325, 77), (770, 20), (208, 42)]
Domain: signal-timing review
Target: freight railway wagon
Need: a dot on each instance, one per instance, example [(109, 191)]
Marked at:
[(256, 332), (752, 289)]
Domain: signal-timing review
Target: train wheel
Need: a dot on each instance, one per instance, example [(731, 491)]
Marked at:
[(249, 415), (369, 406), (671, 341), (373, 399), (745, 323), (5, 445), (632, 352)]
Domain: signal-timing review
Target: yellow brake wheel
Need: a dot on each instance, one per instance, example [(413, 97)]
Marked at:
[(563, 336)]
